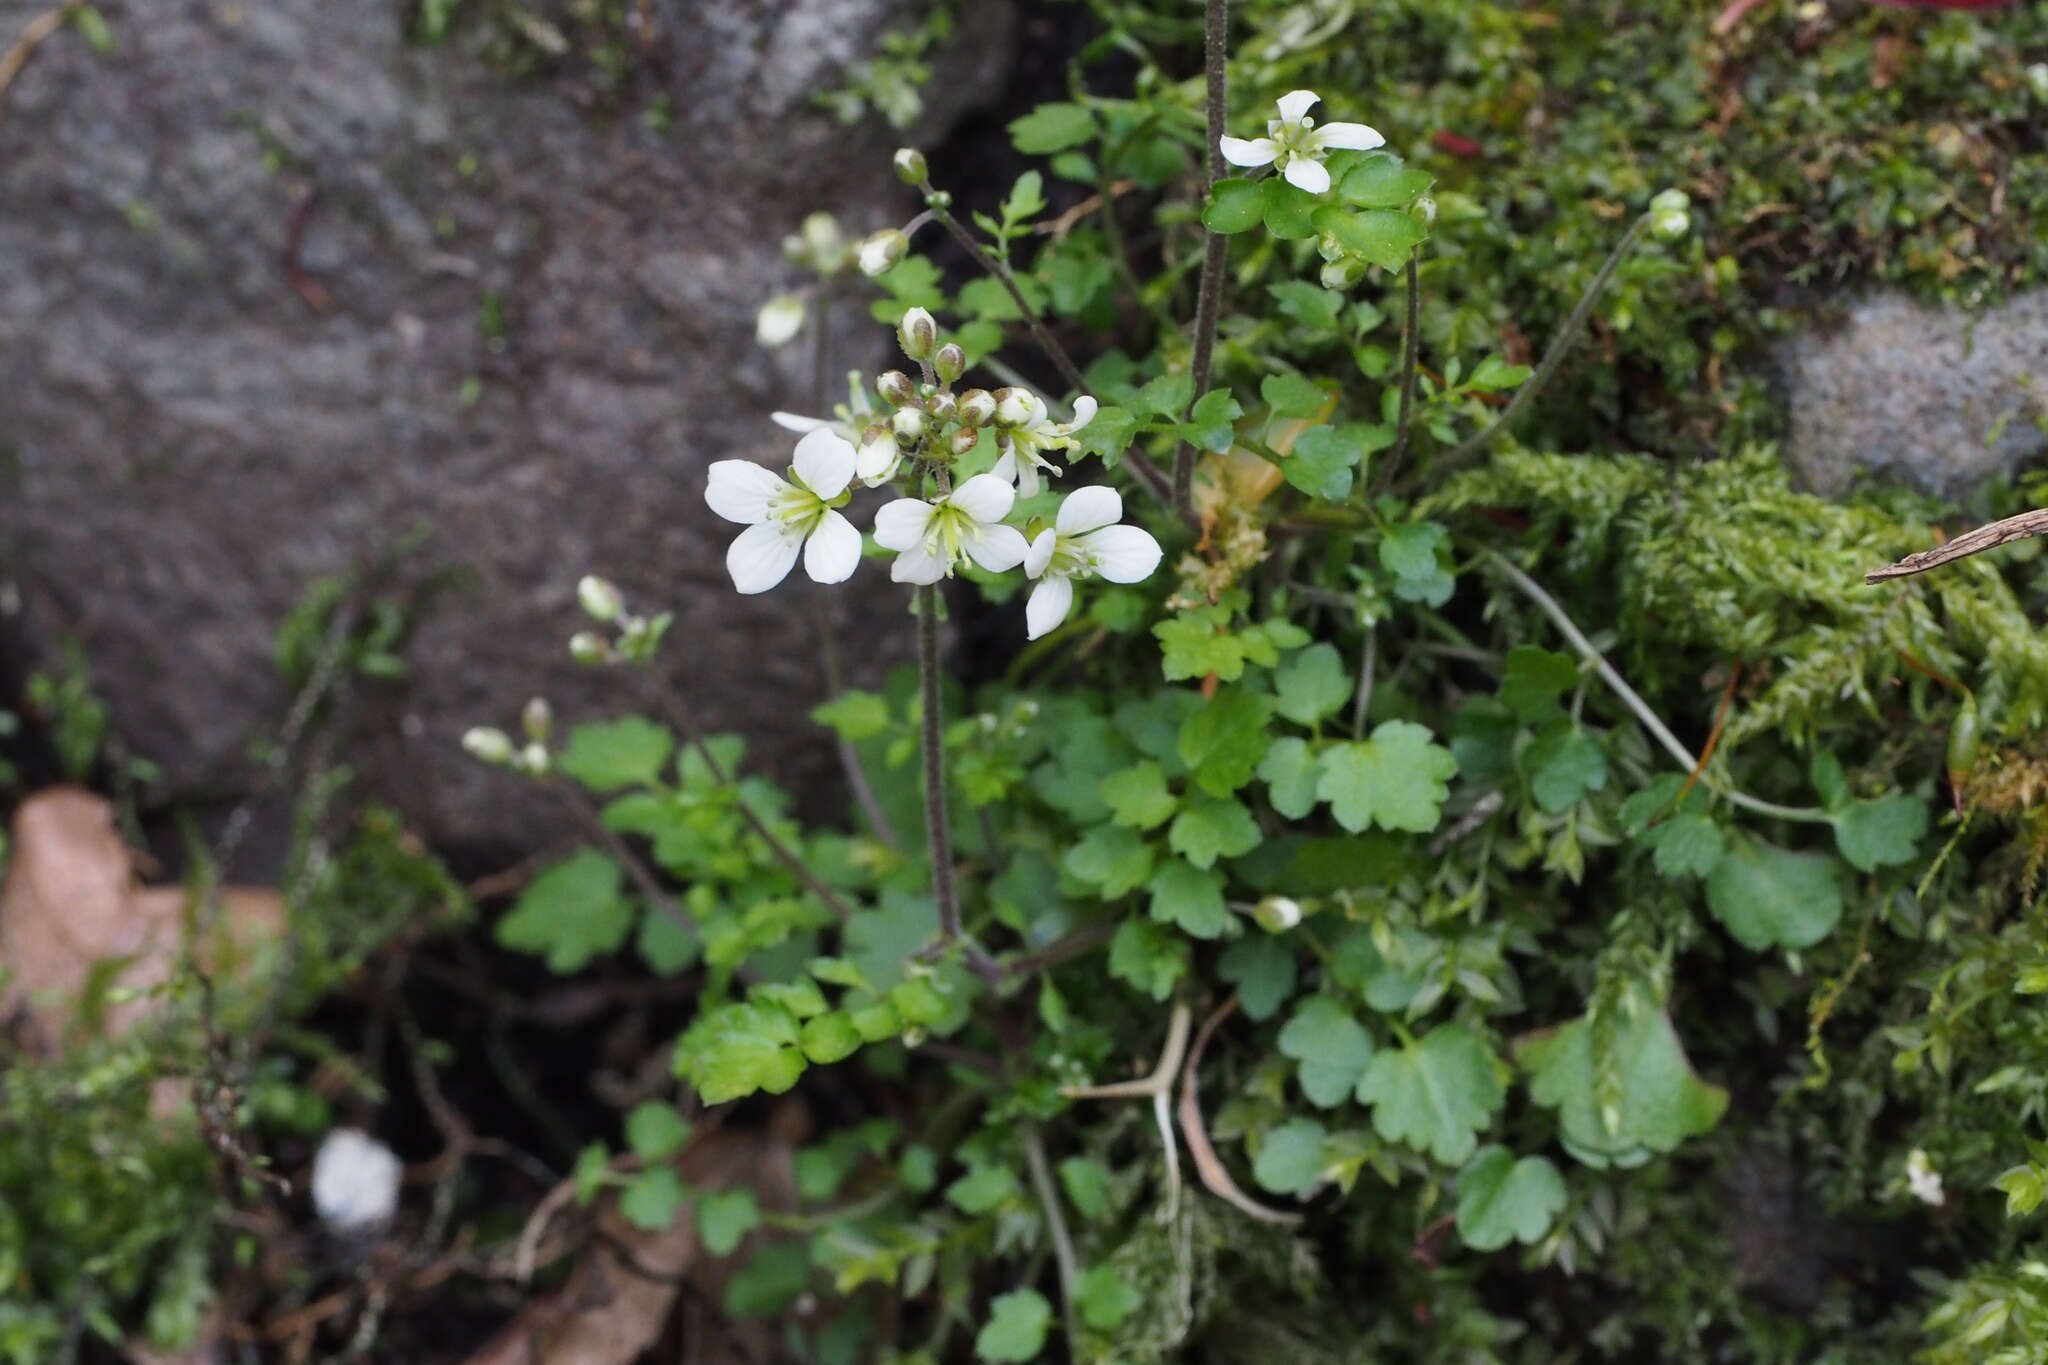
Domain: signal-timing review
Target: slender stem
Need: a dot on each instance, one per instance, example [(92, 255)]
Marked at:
[(1363, 697), (1411, 329), (1055, 1223), (1209, 300), (1076, 944), (937, 837), (1560, 346), (1533, 590)]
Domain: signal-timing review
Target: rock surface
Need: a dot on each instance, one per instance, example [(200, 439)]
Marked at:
[(1934, 398), (281, 287)]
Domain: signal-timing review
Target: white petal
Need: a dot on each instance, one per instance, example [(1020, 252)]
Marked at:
[(1087, 508), (824, 461), (762, 556), (876, 459), (1305, 174), (984, 497), (797, 422), (1039, 554), (740, 490), (1084, 413), (1123, 554), (1048, 605), (902, 523), (998, 549), (1006, 466), (1352, 137), (1027, 479), (1295, 103), (780, 319), (1257, 151), (833, 550), (918, 565)]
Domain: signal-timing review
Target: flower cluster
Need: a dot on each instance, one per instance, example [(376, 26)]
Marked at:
[(925, 433)]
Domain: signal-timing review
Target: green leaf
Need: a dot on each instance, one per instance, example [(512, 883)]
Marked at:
[(1312, 684), (1686, 845), (1223, 742), (665, 941), (628, 752), (1138, 797), (1235, 205), (734, 1050), (1016, 1327), (1494, 373), (1314, 307), (770, 1281), (654, 1130), (981, 1189), (855, 715), (1148, 957), (1190, 898), (1883, 833), (592, 1172), (1533, 679), (1290, 772), (1382, 182), (1409, 549), (1501, 1199), (1087, 1183), (1168, 395), (571, 913), (1323, 462), (1331, 1048), (830, 1038), (1293, 395), (1289, 212), (1564, 764), (1384, 237), (1052, 128), (1212, 422), (1210, 828), (1105, 1298), (1769, 897), (1109, 434), (1435, 1094), (1026, 198), (725, 1217), (1290, 1159), (1263, 969), (652, 1199), (1112, 859), (1653, 1101), (1396, 779)]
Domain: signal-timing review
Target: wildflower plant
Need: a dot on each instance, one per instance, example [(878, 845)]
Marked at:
[(1377, 817)]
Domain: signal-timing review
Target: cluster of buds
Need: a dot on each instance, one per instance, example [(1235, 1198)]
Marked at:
[(634, 638), (926, 419), (1670, 218), (499, 749)]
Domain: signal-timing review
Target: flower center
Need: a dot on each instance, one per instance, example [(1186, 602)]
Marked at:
[(798, 508)]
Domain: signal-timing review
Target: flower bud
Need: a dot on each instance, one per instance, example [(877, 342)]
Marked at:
[(599, 598), (824, 245), (2037, 80), (910, 166), (534, 759), (964, 440), (1013, 407), (896, 389), (1344, 272), (492, 746), (1425, 210), (977, 407), (908, 425), (950, 362), (942, 406), (880, 250), (1668, 216), (537, 719), (1277, 914), (779, 320), (917, 334), (876, 459), (588, 647)]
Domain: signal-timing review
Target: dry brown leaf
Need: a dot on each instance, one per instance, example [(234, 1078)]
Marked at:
[(72, 911)]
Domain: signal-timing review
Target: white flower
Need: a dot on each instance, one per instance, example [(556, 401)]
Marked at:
[(1923, 1180), (355, 1181), (877, 251), (1296, 145), (1025, 430), (784, 517), (780, 319), (1083, 541), (930, 537)]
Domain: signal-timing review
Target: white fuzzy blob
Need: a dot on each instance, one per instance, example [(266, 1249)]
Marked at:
[(355, 1181)]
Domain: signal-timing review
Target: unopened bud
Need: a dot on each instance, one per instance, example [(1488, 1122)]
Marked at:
[(534, 759), (910, 166), (896, 389), (1277, 914), (977, 407), (964, 440), (779, 320), (588, 647), (942, 405), (492, 746), (880, 250), (599, 598), (1013, 407), (917, 334), (537, 719), (876, 459), (908, 425), (950, 361), (1668, 216), (2037, 80), (1344, 272), (1425, 209)]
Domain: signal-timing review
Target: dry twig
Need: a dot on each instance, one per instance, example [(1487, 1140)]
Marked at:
[(1984, 538)]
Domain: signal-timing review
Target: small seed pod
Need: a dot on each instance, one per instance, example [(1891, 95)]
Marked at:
[(918, 334), (977, 408), (910, 166), (588, 647), (492, 746), (896, 389), (963, 440), (950, 362), (908, 425), (1965, 738), (599, 598), (537, 719)]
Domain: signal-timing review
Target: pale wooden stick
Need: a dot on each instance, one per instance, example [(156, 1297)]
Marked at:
[(1990, 537)]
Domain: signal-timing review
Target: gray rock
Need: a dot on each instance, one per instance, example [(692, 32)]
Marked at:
[(195, 428), (1935, 398)]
